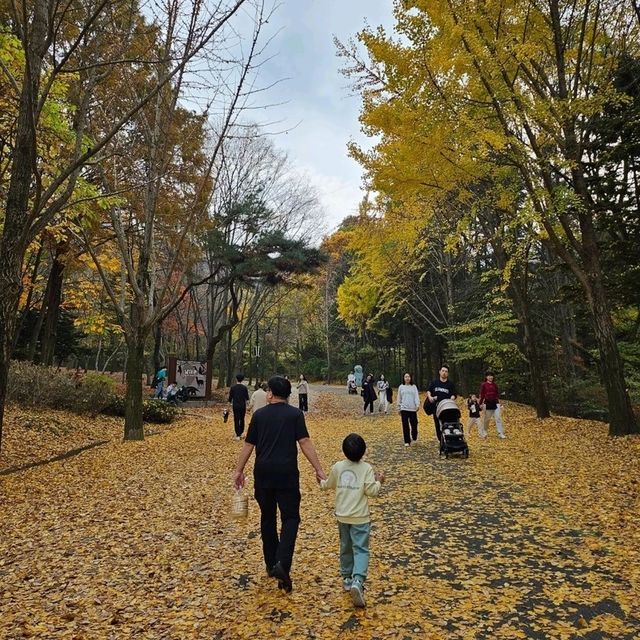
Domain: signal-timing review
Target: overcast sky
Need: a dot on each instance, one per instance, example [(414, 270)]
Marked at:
[(320, 114)]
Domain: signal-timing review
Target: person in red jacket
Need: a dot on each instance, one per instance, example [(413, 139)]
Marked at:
[(490, 403)]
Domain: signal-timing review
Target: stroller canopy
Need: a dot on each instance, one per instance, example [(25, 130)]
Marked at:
[(447, 411)]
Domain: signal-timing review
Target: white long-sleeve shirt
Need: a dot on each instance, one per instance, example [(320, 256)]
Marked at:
[(408, 397), (258, 399), (354, 483)]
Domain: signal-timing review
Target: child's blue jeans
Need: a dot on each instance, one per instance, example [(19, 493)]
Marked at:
[(354, 550)]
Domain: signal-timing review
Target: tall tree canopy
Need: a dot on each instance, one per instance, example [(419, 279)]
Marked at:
[(469, 93)]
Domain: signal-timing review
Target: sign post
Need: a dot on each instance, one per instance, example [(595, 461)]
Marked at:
[(195, 375)]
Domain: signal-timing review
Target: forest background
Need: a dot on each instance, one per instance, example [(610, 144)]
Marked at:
[(145, 213)]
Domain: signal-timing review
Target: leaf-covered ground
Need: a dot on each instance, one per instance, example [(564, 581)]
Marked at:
[(536, 536)]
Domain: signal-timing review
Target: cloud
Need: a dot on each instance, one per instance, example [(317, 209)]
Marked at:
[(339, 197), (315, 106)]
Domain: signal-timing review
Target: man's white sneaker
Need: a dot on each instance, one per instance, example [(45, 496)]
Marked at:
[(357, 593), (346, 584)]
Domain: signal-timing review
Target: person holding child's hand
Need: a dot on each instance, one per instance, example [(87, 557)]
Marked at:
[(275, 432)]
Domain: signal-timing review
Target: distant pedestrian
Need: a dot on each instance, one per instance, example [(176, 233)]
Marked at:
[(161, 378), (172, 393), (368, 393), (276, 432), (490, 403), (355, 482), (383, 385), (238, 398), (440, 389), (258, 398), (408, 405), (473, 405), (303, 393)]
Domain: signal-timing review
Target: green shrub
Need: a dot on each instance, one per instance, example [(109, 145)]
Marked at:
[(114, 406), (94, 393), (159, 411), (35, 386)]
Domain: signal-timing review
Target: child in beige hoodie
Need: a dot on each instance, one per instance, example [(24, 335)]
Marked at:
[(355, 482)]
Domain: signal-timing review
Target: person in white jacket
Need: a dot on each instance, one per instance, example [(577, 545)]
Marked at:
[(408, 405), (355, 482), (383, 385)]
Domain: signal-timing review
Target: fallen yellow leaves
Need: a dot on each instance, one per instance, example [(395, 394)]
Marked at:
[(532, 537)]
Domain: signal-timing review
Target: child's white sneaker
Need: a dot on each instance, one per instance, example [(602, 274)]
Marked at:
[(357, 593)]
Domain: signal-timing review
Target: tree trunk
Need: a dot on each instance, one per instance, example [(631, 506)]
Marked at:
[(53, 301), (327, 325), (229, 356), (540, 396), (197, 323), (14, 234), (621, 418), (276, 348), (518, 292), (27, 304), (157, 347), (36, 330), (133, 423), (568, 338)]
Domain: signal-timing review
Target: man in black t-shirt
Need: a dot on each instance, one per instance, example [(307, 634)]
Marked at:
[(441, 389), (275, 431), (238, 398)]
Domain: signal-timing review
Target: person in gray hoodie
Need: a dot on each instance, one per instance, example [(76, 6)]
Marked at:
[(408, 405)]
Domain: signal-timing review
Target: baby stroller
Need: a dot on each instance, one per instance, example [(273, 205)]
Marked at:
[(352, 387), (452, 431)]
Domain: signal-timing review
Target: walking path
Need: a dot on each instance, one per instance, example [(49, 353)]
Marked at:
[(532, 537)]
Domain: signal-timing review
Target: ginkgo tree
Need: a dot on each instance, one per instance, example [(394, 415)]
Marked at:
[(473, 86)]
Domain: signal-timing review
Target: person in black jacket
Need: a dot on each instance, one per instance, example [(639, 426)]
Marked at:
[(440, 389), (238, 398), (369, 394)]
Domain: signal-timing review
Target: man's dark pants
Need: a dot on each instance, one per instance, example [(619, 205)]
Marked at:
[(279, 549), (438, 428), (238, 419)]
